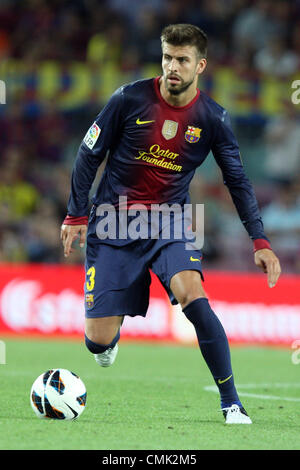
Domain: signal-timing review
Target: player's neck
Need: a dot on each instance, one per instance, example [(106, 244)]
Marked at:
[(178, 100)]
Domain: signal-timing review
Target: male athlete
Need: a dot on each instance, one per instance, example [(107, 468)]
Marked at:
[(156, 133)]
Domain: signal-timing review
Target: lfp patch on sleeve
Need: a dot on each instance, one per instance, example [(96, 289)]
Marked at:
[(92, 135)]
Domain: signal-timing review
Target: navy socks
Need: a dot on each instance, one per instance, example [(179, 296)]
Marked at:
[(214, 347), (96, 348)]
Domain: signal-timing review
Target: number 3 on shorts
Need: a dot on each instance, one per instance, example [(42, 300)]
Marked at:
[(90, 283)]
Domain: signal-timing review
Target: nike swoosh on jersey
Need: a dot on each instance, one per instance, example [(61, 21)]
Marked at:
[(194, 259), (225, 380), (142, 122)]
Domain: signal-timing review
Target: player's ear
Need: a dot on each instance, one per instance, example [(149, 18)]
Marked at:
[(201, 66)]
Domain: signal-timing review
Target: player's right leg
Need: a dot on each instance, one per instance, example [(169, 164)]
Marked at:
[(101, 338), (117, 283)]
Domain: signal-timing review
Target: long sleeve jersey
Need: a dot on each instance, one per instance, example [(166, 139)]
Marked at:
[(154, 149)]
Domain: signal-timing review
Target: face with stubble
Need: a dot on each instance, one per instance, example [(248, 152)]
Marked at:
[(181, 67)]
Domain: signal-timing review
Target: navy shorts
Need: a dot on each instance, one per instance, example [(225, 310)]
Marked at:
[(118, 276)]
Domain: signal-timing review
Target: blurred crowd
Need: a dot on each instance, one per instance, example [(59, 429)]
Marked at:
[(39, 140), (263, 33)]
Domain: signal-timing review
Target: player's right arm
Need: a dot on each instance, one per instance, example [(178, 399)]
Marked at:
[(98, 140), (70, 233)]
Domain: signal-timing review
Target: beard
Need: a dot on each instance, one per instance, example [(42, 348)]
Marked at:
[(177, 89)]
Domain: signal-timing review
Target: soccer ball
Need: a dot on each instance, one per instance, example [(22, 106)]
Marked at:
[(58, 394)]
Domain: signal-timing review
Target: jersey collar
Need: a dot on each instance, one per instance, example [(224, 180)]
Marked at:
[(165, 103)]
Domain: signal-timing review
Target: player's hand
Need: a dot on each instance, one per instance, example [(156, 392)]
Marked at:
[(269, 263), (70, 233)]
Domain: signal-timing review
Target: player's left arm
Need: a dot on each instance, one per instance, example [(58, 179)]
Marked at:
[(269, 263), (227, 155)]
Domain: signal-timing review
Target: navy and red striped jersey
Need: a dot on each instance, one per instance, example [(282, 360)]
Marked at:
[(153, 151)]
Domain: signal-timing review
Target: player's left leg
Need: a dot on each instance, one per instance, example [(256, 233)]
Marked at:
[(187, 288)]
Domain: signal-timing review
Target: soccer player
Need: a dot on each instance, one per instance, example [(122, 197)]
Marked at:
[(156, 132)]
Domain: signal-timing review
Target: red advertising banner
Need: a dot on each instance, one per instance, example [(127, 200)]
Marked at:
[(48, 300)]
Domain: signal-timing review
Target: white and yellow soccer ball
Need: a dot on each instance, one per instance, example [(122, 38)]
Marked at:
[(58, 394)]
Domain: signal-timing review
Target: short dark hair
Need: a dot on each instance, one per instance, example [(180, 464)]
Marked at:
[(182, 34)]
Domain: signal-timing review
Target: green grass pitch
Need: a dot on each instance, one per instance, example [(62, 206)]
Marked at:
[(153, 397)]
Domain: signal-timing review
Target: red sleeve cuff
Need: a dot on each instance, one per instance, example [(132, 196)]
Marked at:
[(260, 244), (71, 220)]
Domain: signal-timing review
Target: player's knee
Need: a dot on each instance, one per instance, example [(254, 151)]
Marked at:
[(100, 337), (191, 294), (187, 299), (97, 347), (102, 330), (186, 287)]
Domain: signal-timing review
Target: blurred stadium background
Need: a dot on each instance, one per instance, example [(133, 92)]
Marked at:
[(60, 61)]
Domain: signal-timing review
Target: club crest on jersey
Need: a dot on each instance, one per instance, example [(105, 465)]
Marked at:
[(89, 299), (192, 135), (169, 129)]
